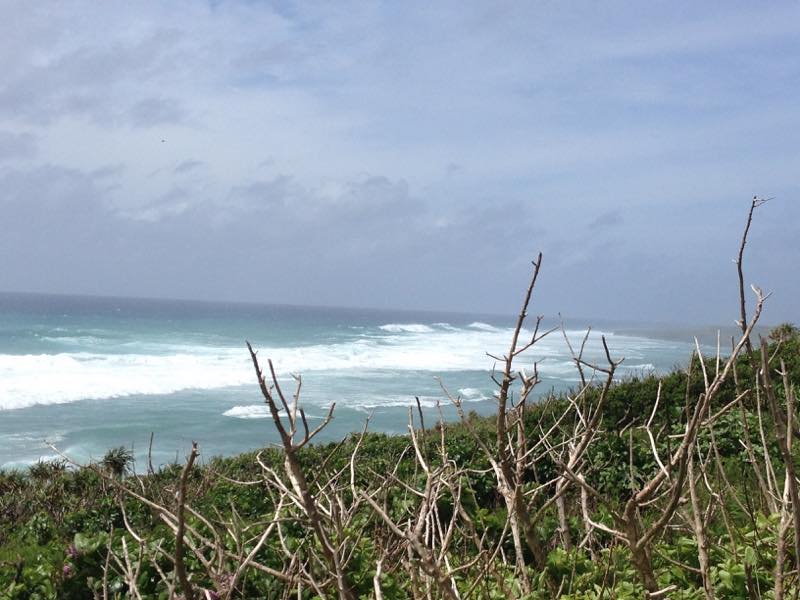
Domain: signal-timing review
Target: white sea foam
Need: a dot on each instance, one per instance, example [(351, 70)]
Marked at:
[(645, 367), (53, 437), (406, 328), (401, 401), (147, 369), (26, 380), (251, 411), (483, 326), (83, 340), (259, 411)]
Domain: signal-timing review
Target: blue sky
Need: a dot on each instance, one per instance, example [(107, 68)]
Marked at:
[(403, 154)]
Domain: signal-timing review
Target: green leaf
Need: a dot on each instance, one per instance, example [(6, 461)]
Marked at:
[(86, 544), (750, 557)]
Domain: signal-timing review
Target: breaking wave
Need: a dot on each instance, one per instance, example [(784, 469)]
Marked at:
[(148, 368), (406, 328), (483, 326), (251, 411), (30, 379)]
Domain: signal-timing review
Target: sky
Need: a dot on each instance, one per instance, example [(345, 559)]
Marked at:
[(404, 154)]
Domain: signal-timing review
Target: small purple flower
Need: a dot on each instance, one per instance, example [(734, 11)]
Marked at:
[(72, 551), (66, 570)]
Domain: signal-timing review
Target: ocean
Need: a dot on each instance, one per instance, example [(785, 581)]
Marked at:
[(86, 374)]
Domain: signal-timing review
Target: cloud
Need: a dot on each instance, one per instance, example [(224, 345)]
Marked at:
[(172, 204), (94, 80), (392, 162), (263, 195), (188, 165), (52, 190), (152, 112), (16, 145), (606, 220)]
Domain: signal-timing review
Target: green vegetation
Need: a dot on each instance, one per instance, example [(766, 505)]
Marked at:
[(100, 531)]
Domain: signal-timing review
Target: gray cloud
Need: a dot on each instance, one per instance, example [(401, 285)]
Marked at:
[(94, 80), (151, 112), (173, 203), (362, 154), (188, 165), (607, 219), (263, 196), (16, 145)]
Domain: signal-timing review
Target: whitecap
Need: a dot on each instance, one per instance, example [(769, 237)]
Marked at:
[(157, 369), (251, 411), (390, 401), (406, 328), (404, 401), (257, 411), (483, 326), (27, 380)]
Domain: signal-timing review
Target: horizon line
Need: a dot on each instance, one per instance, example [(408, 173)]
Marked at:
[(633, 323)]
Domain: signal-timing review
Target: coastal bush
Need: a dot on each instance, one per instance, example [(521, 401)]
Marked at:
[(117, 460)]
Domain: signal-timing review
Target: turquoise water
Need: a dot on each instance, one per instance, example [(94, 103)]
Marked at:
[(86, 374)]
